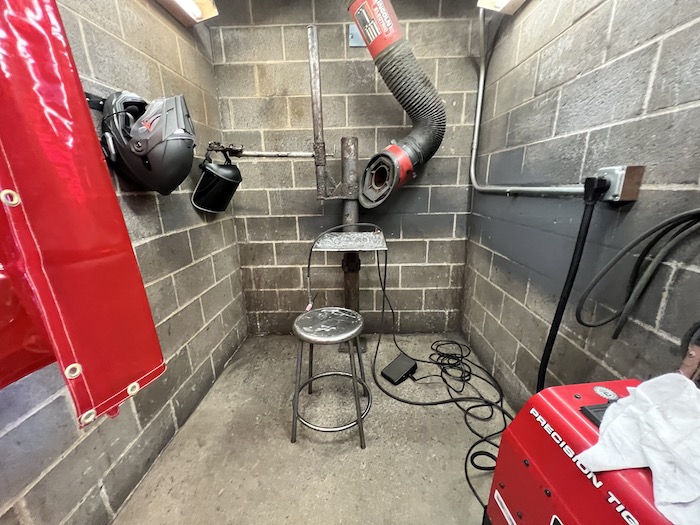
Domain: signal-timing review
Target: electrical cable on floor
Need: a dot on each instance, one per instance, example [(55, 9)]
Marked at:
[(457, 372), (662, 239)]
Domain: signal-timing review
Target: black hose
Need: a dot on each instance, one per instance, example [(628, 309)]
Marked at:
[(594, 189), (413, 89), (680, 223)]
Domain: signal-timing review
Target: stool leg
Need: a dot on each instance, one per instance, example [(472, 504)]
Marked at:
[(362, 367), (357, 398), (311, 365), (295, 402)]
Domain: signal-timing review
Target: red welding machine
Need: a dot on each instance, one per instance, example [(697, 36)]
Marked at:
[(538, 478)]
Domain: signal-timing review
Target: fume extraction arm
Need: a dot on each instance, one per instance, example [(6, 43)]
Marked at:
[(396, 164)]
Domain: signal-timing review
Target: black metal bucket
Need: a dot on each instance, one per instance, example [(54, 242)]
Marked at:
[(216, 187)]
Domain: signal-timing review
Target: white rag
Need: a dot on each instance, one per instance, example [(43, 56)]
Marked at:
[(656, 426)]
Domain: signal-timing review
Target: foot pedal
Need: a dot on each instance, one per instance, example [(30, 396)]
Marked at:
[(399, 369)]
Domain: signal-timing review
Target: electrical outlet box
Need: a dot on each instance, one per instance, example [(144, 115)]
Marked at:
[(625, 182)]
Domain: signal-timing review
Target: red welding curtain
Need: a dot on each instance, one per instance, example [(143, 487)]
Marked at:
[(70, 288)]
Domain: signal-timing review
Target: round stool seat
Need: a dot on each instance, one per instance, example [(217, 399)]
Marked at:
[(327, 326)]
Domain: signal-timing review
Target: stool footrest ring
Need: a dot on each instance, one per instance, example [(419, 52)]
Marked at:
[(343, 427)]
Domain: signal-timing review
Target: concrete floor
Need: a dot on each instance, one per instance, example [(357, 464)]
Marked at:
[(233, 463)]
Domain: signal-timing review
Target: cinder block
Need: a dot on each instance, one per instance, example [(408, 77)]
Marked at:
[(205, 341), (581, 7), (177, 330), (457, 275), (21, 396), (370, 278), (226, 262), (92, 511), (459, 9), (141, 215), (295, 202), (162, 298), (192, 392), (206, 239), (423, 322), (501, 340), (262, 300), (271, 229), (425, 276), (73, 477), (292, 140), (330, 12), (404, 252), (490, 297), (257, 254), (229, 231), (247, 203), (128, 471), (633, 26), (416, 9), (282, 79), (234, 314), (196, 67), (333, 112), (562, 60), (374, 110), (680, 313), (493, 134), (216, 299), (547, 20), (174, 84), (555, 161), (438, 172), (670, 157), (505, 167), (266, 174), (75, 39), (178, 213), (448, 199), (276, 322), (274, 278), (163, 255), (456, 74), (454, 106), (446, 251), (401, 299), (31, 447), (193, 280), (105, 17), (294, 300), (252, 44), (274, 12), (529, 329), (677, 78), (526, 368), (146, 32), (113, 64), (533, 121), (291, 253), (606, 95), (443, 298), (232, 13), (517, 86), (504, 56), (236, 80), (510, 276), (440, 39), (255, 113), (456, 142), (331, 42), (340, 78), (155, 396), (427, 226)]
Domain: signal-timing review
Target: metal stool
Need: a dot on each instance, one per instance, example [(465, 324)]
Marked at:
[(327, 326)]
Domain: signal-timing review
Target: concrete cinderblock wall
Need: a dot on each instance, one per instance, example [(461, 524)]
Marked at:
[(575, 86), (261, 62), (50, 471)]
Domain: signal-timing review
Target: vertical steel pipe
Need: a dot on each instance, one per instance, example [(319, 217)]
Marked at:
[(317, 111), (351, 215)]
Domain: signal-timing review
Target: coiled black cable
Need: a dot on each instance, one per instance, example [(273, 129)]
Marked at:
[(662, 239)]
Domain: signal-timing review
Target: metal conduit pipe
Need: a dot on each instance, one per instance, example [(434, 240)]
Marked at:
[(576, 189)]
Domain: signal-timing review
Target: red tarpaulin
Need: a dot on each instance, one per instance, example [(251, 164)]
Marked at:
[(70, 288)]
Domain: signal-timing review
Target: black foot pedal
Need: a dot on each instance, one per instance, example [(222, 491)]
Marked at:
[(399, 369)]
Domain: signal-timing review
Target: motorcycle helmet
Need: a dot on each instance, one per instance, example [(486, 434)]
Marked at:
[(151, 144)]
